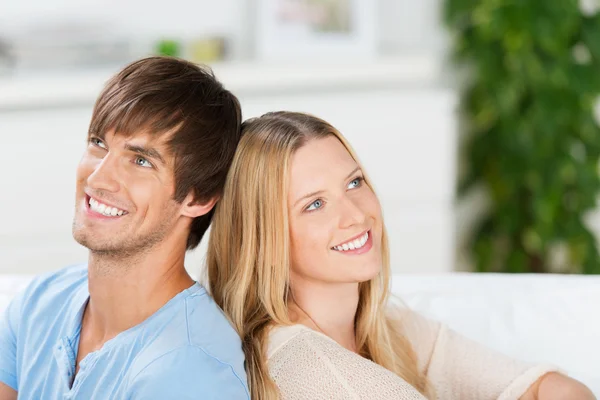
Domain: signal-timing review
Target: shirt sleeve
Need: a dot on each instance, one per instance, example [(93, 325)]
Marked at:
[(9, 328), (188, 373), (459, 368)]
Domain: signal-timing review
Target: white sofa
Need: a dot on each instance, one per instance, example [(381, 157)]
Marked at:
[(541, 318)]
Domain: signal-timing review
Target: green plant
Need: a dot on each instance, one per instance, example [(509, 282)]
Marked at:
[(167, 47), (529, 135)]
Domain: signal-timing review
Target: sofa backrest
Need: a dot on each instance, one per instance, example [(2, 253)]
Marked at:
[(540, 318)]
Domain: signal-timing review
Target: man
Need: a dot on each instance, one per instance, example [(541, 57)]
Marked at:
[(131, 323)]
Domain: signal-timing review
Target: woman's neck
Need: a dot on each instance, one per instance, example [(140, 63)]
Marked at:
[(325, 307)]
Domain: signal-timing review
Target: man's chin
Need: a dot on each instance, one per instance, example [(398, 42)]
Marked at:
[(96, 245)]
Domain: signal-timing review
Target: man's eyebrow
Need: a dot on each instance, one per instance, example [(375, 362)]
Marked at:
[(149, 152)]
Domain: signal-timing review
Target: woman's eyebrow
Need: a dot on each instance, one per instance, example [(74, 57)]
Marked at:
[(308, 195), (322, 191), (353, 172)]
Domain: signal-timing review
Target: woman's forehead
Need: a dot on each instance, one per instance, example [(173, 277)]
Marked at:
[(317, 164)]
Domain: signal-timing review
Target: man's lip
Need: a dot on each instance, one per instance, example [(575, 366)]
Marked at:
[(353, 238), (88, 197)]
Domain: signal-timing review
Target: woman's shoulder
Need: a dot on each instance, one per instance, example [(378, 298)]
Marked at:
[(420, 331), (280, 336), (310, 365)]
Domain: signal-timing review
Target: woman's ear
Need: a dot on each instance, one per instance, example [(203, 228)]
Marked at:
[(192, 208)]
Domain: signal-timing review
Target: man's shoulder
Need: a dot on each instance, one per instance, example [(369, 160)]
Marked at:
[(209, 328), (58, 283), (190, 370), (43, 309), (71, 274), (196, 326), (179, 359), (198, 321)]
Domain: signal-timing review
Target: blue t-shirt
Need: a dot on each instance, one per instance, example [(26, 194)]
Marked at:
[(186, 350)]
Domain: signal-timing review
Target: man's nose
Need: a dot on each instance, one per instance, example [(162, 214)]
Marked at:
[(104, 176)]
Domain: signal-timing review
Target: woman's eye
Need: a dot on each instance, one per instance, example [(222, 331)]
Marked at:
[(355, 183), (98, 142), (315, 205), (142, 162)]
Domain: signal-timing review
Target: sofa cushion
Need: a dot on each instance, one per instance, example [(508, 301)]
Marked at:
[(540, 318)]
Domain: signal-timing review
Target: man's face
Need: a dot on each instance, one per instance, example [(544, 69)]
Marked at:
[(124, 196)]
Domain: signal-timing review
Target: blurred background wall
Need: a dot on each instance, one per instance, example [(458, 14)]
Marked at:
[(380, 72), (402, 25)]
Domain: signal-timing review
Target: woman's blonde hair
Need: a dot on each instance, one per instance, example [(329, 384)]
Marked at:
[(248, 260)]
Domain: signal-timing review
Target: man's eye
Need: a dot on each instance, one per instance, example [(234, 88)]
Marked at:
[(315, 205), (98, 142), (142, 162)]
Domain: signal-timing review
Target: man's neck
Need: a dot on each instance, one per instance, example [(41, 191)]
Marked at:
[(125, 291), (330, 307)]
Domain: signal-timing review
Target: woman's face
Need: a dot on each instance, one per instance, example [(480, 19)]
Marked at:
[(335, 218)]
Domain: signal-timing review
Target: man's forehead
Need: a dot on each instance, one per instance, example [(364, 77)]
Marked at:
[(147, 144), (140, 138)]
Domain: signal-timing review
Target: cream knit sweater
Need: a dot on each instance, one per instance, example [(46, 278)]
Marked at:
[(307, 365)]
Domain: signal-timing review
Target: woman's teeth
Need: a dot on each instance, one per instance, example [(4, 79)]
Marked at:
[(104, 209), (354, 244)]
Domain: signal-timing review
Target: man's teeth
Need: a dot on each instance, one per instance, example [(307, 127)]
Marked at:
[(104, 209), (354, 244)]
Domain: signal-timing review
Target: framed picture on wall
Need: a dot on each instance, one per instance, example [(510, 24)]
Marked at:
[(326, 29)]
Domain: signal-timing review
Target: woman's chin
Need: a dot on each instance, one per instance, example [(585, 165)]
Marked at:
[(366, 272)]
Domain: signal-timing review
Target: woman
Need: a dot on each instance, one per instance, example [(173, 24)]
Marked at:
[(298, 260)]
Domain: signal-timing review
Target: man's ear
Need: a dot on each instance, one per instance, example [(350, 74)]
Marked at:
[(192, 208)]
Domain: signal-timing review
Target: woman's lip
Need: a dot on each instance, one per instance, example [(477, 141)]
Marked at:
[(362, 250), (352, 239)]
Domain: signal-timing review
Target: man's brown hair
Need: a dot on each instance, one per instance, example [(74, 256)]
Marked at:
[(159, 95)]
